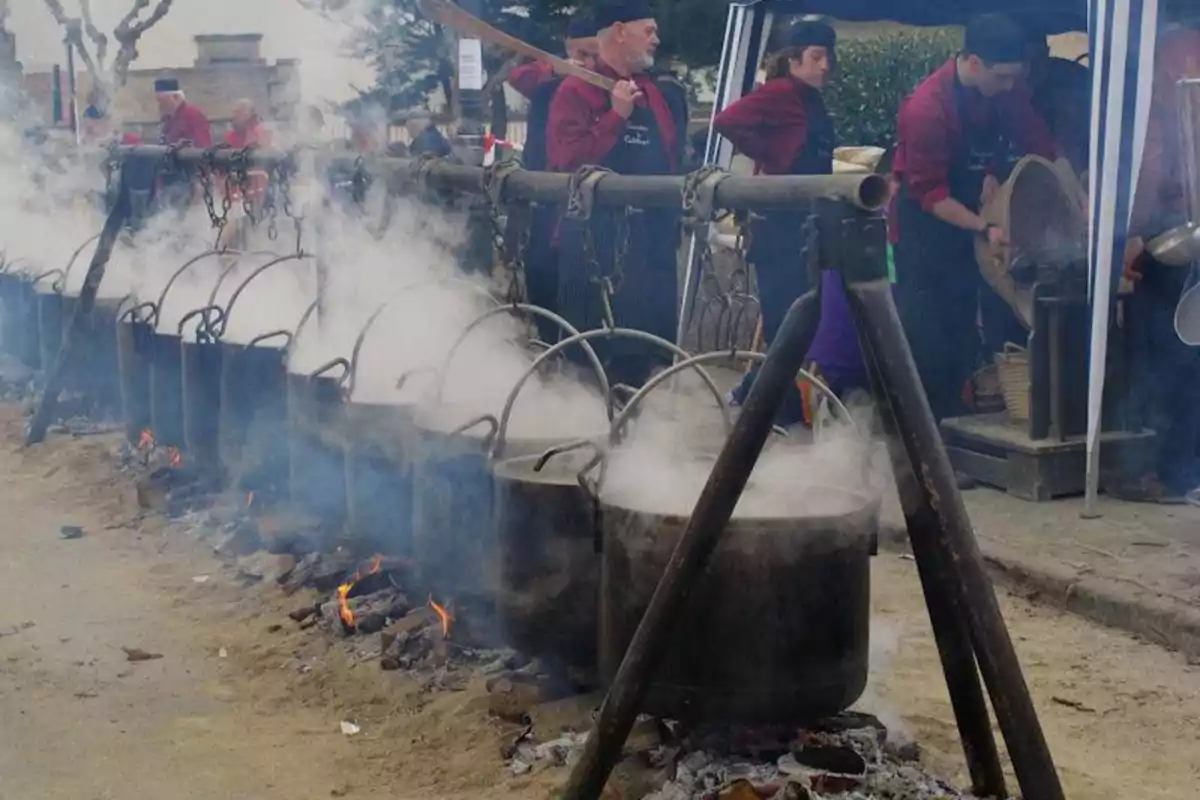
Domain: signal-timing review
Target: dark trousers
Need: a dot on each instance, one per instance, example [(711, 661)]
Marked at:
[(782, 277), (941, 330), (1164, 392)]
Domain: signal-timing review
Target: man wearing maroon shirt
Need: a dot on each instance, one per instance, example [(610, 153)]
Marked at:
[(954, 135), (633, 130), (181, 122)]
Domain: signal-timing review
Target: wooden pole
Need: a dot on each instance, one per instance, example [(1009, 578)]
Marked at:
[(958, 554), (117, 218), (944, 601)]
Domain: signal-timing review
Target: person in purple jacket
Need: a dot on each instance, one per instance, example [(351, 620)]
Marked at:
[(783, 126)]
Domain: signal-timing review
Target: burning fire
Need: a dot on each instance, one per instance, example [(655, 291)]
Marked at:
[(174, 459), (343, 592), (444, 616)]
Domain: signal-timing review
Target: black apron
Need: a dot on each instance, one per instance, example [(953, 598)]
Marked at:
[(777, 242), (937, 276), (646, 291)]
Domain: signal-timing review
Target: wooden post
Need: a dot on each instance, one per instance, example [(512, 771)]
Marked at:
[(117, 218), (958, 556)]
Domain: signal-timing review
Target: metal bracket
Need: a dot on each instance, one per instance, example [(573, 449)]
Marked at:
[(700, 195), (581, 191), (492, 180), (419, 169)]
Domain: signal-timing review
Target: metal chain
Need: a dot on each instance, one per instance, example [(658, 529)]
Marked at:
[(513, 259), (240, 169), (207, 172)]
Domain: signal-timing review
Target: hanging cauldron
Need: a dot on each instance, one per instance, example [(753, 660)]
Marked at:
[(549, 567), (236, 391), (49, 300), (379, 440), (776, 629), (19, 319), (159, 351), (316, 446), (95, 367), (454, 543)]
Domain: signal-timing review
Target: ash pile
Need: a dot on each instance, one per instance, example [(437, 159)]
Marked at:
[(850, 756)]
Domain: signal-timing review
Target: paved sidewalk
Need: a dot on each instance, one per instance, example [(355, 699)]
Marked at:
[(1136, 568)]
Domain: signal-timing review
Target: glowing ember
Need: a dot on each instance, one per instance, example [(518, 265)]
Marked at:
[(146, 442), (444, 616), (174, 459), (343, 592)]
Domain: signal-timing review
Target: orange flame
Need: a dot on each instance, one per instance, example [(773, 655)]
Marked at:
[(146, 442), (174, 459), (444, 616), (343, 592), (249, 499)]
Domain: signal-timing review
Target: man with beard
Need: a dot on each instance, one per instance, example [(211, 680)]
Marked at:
[(181, 122), (620, 260)]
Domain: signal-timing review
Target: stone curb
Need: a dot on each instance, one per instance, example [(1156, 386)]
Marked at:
[(1112, 603)]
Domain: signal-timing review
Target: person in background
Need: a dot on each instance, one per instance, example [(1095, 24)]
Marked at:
[(538, 83), (1061, 92), (426, 138), (784, 127), (954, 134), (1164, 391), (246, 130), (582, 48), (180, 122), (631, 130)]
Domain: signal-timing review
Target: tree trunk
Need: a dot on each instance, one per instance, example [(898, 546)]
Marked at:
[(499, 112)]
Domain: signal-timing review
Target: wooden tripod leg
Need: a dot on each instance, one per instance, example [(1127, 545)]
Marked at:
[(958, 555), (944, 601)]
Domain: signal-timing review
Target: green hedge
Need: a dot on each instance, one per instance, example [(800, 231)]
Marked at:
[(875, 74)]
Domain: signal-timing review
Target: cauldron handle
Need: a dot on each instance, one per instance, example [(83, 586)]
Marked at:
[(76, 254), (205, 325), (57, 286), (337, 362), (224, 321), (162, 297), (582, 339), (282, 332), (694, 362), (537, 311), (366, 328), (132, 313), (491, 436), (591, 493)]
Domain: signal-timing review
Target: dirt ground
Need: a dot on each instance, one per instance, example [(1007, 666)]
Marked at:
[(238, 706)]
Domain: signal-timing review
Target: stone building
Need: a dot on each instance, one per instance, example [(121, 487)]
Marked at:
[(227, 67)]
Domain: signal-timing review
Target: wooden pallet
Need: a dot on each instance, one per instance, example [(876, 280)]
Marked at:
[(998, 452)]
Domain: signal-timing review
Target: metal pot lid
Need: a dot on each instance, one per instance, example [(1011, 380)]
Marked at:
[(1177, 247), (1187, 317)]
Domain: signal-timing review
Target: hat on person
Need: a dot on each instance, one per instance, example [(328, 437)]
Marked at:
[(166, 85), (581, 26), (610, 12), (91, 112), (812, 33)]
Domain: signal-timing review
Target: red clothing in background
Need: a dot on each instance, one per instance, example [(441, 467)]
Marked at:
[(1161, 180), (187, 124), (929, 131), (584, 127), (769, 125), (526, 78), (254, 135)]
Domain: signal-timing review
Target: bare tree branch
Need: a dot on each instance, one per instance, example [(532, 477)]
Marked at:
[(95, 34), (58, 12), (129, 30)]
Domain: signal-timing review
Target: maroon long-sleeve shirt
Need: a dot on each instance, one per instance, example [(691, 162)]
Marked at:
[(583, 126), (769, 125), (187, 124), (929, 130), (1161, 180), (526, 78)]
